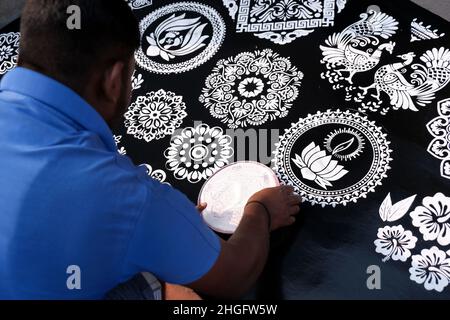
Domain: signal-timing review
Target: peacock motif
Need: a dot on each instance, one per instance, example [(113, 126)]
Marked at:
[(427, 78), (344, 51)]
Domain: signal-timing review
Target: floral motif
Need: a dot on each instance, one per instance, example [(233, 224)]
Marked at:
[(136, 81), (168, 41), (282, 21), (158, 174), (139, 4), (393, 212), (440, 129), (155, 115), (251, 88), (232, 7), (317, 166), (120, 149), (431, 268), (356, 183), (178, 35), (9, 51), (198, 152), (433, 218), (395, 243), (246, 90)]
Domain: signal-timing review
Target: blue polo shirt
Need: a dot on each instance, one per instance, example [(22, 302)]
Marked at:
[(68, 198)]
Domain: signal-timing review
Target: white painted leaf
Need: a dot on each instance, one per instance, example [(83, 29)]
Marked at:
[(385, 208), (399, 209)]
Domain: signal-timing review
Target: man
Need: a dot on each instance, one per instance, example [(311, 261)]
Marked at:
[(71, 205)]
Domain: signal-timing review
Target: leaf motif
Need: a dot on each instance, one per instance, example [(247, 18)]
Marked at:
[(343, 146), (399, 209), (385, 208)]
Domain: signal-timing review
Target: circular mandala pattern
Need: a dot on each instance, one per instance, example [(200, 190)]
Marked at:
[(317, 175), (179, 37), (9, 51), (198, 152), (155, 115), (251, 88)]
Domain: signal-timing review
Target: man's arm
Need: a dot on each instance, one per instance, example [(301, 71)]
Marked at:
[(243, 256)]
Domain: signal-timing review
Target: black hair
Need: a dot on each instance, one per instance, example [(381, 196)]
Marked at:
[(109, 32)]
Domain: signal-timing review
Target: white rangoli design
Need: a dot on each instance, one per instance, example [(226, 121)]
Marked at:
[(395, 243), (336, 149), (432, 266), (317, 166), (9, 51), (392, 212), (283, 21), (344, 51), (158, 174), (251, 88), (232, 7), (136, 81), (197, 153), (155, 115), (139, 4), (348, 51), (179, 37), (440, 129), (120, 149), (317, 175), (433, 219), (420, 32)]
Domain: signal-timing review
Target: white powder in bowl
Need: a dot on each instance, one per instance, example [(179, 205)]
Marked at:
[(229, 189)]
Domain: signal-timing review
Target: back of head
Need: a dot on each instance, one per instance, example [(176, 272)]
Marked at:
[(108, 32)]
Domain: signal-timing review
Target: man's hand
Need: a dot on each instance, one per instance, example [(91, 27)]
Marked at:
[(201, 207), (282, 204), (176, 292)]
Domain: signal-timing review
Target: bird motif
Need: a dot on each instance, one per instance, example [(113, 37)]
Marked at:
[(426, 79), (342, 48)]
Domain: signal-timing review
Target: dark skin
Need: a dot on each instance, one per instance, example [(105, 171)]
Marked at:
[(243, 256)]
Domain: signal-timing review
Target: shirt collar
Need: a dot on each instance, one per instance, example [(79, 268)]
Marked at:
[(60, 97)]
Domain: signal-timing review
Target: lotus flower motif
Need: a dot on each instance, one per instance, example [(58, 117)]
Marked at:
[(319, 167), (176, 36)]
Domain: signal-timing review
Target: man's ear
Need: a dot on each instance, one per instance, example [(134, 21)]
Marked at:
[(112, 83)]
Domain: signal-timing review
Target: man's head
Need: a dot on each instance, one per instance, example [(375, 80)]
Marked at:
[(96, 60)]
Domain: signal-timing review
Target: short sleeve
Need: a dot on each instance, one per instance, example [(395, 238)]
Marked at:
[(171, 239)]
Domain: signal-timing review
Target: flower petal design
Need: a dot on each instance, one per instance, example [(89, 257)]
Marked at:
[(433, 218), (155, 115), (317, 166), (197, 153), (259, 97), (395, 243), (431, 268)]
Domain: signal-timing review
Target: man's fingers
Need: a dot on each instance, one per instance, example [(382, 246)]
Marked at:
[(287, 189), (201, 206), (294, 199), (294, 210)]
